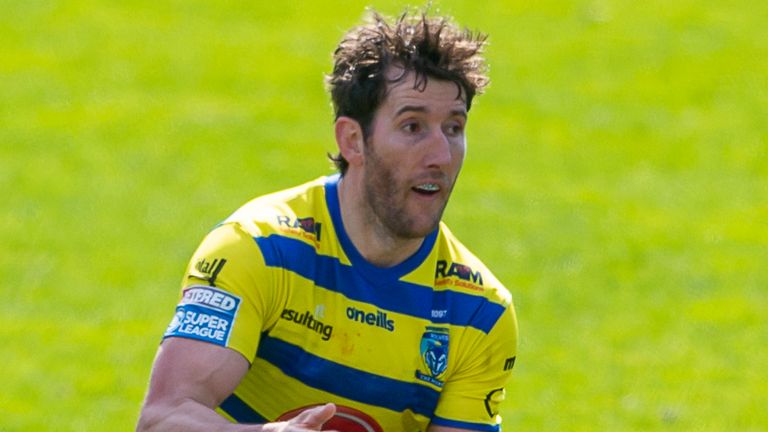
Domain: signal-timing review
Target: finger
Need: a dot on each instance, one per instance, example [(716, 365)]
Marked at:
[(316, 416)]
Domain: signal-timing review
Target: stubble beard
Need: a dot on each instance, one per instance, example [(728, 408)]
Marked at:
[(383, 197)]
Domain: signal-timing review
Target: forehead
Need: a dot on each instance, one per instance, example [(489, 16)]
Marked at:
[(408, 89)]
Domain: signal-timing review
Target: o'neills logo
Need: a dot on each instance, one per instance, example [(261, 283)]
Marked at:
[(378, 319), (308, 320)]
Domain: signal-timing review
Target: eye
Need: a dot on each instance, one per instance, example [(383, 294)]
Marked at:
[(411, 127), (454, 129)]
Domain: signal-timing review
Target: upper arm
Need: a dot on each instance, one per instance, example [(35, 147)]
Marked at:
[(472, 395), (228, 295), (215, 331), (186, 369), (213, 336)]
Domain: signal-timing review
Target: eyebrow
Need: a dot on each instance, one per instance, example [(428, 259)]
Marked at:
[(421, 109)]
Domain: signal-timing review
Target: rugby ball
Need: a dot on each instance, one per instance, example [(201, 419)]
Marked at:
[(346, 419)]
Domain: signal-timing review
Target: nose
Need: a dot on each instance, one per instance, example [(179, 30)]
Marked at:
[(439, 150)]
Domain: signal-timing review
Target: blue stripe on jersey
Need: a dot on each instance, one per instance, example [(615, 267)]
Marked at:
[(345, 381), (396, 296), (439, 421), (241, 411)]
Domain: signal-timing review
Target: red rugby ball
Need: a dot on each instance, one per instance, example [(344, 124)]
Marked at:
[(346, 419)]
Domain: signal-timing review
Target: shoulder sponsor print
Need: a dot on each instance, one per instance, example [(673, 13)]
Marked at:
[(458, 275)]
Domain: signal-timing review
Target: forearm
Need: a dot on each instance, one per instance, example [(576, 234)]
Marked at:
[(189, 379), (187, 416)]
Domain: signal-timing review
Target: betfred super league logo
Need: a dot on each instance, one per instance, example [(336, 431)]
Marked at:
[(434, 355)]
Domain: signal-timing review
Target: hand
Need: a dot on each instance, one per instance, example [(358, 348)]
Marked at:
[(309, 420)]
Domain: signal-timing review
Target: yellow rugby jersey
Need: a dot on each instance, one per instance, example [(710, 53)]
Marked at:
[(430, 340)]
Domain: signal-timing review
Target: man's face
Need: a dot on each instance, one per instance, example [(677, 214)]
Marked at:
[(413, 156)]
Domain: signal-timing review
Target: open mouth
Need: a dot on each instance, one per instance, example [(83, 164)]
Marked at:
[(427, 189)]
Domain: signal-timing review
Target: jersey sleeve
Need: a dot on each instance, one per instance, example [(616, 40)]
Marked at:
[(471, 397), (227, 295)]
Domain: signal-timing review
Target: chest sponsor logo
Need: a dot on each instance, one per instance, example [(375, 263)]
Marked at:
[(204, 313), (459, 275), (377, 319), (308, 320), (434, 355)]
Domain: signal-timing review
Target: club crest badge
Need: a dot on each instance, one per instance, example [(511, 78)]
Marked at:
[(434, 355)]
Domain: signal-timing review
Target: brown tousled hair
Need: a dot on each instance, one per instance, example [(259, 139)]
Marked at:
[(431, 47)]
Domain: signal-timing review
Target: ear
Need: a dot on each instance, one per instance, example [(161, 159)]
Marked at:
[(349, 138)]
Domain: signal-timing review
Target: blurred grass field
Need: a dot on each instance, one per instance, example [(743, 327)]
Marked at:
[(617, 181)]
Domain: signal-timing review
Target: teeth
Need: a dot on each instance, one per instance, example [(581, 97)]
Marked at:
[(429, 187)]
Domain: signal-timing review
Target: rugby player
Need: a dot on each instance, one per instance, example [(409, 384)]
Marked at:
[(346, 298)]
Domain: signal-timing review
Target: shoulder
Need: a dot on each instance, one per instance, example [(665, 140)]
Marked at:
[(291, 212), (460, 269)]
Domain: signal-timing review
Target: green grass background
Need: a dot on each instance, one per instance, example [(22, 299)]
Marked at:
[(617, 181)]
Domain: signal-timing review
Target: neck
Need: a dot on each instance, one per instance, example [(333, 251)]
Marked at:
[(375, 242)]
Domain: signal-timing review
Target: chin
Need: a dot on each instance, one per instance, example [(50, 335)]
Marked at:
[(421, 229)]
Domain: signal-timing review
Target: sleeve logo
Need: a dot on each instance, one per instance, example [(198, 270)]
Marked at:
[(493, 400), (509, 363), (204, 313), (209, 270)]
